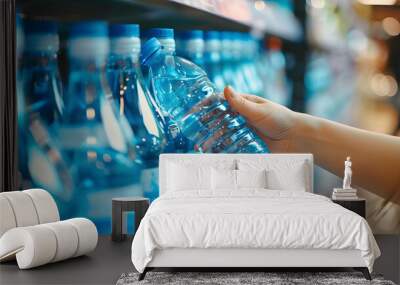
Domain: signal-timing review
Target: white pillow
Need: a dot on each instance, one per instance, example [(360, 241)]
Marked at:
[(223, 179), (293, 179), (282, 174), (181, 177), (251, 178)]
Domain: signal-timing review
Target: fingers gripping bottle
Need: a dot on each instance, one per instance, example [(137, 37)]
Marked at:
[(184, 91)]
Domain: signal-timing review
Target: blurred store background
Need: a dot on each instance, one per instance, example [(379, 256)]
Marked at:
[(336, 59)]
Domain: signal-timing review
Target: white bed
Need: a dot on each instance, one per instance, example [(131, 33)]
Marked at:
[(248, 227)]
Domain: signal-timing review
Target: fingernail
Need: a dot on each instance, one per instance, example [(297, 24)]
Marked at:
[(231, 92)]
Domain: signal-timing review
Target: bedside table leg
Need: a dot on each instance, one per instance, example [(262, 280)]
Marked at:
[(116, 234), (140, 211)]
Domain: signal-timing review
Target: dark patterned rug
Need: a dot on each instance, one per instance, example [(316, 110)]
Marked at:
[(243, 278)]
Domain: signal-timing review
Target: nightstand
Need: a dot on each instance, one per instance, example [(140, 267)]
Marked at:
[(139, 205), (356, 205)]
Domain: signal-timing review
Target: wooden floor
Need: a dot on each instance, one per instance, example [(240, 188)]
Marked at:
[(111, 259)]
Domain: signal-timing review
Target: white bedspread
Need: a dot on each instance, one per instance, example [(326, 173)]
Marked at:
[(250, 219)]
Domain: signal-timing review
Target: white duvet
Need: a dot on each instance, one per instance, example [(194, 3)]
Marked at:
[(253, 218)]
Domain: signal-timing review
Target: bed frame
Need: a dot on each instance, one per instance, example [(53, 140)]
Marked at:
[(249, 259), (245, 259)]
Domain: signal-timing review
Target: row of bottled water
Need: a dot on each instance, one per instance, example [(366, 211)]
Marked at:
[(98, 133)]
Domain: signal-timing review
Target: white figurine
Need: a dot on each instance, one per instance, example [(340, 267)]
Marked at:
[(347, 174)]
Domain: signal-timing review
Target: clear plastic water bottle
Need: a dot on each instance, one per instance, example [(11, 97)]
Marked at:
[(212, 59), (99, 143), (190, 45), (176, 141), (278, 87), (184, 91), (43, 106), (42, 84), (231, 65), (134, 101), (248, 46)]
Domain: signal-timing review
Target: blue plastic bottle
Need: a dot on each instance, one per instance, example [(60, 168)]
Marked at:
[(185, 92), (212, 59), (190, 45), (248, 47), (42, 84), (43, 106), (176, 142), (230, 66), (278, 87), (134, 101), (99, 143)]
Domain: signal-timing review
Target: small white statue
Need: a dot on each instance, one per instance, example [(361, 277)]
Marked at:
[(347, 174)]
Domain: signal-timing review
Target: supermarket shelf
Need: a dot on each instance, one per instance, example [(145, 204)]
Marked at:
[(239, 15)]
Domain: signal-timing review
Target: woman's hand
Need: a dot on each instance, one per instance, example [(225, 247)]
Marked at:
[(274, 123), (376, 157)]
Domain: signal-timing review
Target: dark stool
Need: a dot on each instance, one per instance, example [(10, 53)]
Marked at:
[(139, 205)]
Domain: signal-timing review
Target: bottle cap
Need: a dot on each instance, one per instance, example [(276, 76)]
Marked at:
[(227, 35), (160, 33), (88, 29), (41, 36), (40, 27), (149, 48), (190, 34), (88, 40), (124, 30), (212, 35)]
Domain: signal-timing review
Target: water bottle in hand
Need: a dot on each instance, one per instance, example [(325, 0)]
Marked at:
[(185, 92)]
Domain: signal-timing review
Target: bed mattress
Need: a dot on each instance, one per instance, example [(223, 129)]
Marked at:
[(250, 219)]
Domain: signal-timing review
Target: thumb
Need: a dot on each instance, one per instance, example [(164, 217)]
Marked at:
[(240, 104)]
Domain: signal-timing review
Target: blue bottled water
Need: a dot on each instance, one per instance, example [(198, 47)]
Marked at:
[(277, 85), (185, 92), (248, 47), (190, 45), (43, 106), (212, 59), (99, 143), (42, 84), (230, 64), (134, 101), (176, 141)]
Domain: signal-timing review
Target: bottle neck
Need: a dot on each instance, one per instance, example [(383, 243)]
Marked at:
[(156, 59), (193, 48), (212, 50), (88, 51), (127, 47), (168, 45)]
